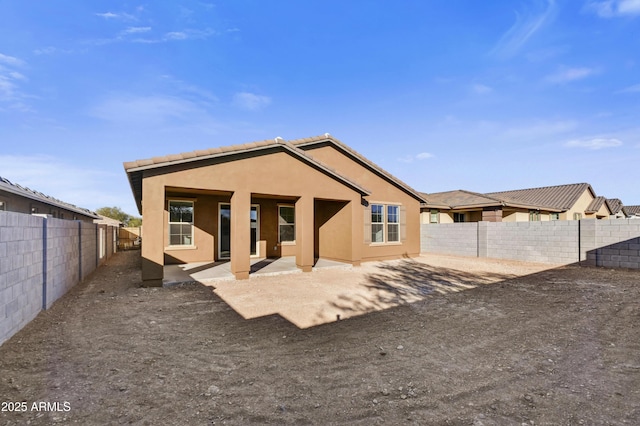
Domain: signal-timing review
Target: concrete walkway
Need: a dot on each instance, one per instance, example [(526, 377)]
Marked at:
[(207, 272)]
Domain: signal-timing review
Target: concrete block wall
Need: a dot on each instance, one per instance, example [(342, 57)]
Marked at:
[(617, 244), (611, 243), (546, 242), (40, 260), (63, 250), (21, 271), (450, 238), (88, 248)]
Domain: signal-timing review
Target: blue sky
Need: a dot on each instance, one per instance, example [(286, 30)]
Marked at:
[(467, 94)]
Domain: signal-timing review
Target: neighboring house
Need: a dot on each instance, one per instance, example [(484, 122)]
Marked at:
[(16, 198), (616, 207), (104, 220), (309, 198), (562, 202), (467, 206), (108, 234), (632, 212)]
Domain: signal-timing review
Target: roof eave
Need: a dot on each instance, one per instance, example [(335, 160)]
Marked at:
[(301, 156), (372, 167)]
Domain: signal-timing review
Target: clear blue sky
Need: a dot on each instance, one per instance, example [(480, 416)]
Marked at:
[(477, 95)]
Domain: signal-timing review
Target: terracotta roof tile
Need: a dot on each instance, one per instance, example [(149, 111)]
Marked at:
[(615, 205), (632, 210), (595, 204), (561, 197)]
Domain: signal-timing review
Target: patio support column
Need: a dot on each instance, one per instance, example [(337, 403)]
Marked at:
[(357, 231), (241, 234), (155, 227), (304, 233)]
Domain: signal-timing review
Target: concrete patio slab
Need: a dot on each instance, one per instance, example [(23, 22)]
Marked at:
[(335, 293), (206, 272)]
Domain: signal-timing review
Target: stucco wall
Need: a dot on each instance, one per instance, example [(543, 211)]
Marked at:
[(579, 207), (275, 177), (381, 192)]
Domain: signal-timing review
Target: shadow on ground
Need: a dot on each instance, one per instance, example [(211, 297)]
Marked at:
[(408, 281)]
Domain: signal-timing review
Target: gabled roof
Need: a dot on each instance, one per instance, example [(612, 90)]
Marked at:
[(560, 197), (134, 169), (307, 143), (632, 210), (104, 220), (14, 188), (615, 205), (597, 203), (460, 198)]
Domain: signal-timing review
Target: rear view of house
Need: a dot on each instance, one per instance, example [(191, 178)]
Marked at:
[(309, 198)]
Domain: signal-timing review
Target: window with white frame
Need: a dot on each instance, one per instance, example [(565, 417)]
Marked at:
[(577, 216), (181, 223), (393, 224), (554, 216), (286, 223), (458, 217), (534, 215), (385, 223), (377, 223)]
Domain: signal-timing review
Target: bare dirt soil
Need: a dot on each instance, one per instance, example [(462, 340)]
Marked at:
[(561, 346)]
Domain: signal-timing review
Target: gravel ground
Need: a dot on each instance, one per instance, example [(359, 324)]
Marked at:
[(528, 346)]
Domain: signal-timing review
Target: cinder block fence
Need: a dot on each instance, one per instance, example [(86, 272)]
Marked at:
[(610, 243), (41, 259)]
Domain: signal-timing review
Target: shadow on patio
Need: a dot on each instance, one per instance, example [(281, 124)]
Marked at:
[(328, 295), (408, 281)]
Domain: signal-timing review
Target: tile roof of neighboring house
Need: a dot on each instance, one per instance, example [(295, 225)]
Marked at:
[(14, 188), (632, 210), (595, 205), (294, 147), (560, 197), (105, 220), (615, 205), (460, 199)]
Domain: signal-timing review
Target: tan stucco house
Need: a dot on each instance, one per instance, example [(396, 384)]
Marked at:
[(309, 198), (560, 202)]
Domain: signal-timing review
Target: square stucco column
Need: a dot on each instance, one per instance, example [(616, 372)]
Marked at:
[(304, 233), (241, 234), (154, 231), (357, 232)]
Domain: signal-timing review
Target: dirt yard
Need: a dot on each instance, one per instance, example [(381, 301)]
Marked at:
[(560, 346)]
